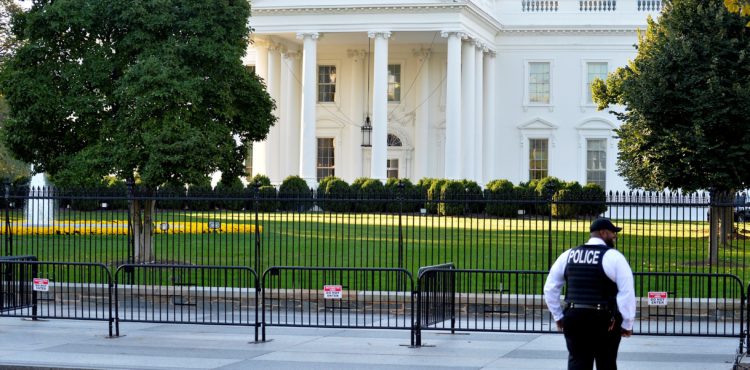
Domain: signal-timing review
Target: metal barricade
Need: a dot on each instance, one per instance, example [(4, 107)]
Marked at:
[(16, 286), (340, 297), (61, 290), (187, 294)]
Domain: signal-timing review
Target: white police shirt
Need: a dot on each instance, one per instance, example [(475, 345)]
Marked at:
[(616, 268)]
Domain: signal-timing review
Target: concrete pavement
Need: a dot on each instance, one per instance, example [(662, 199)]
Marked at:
[(69, 344)]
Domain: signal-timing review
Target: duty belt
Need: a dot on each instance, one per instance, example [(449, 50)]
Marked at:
[(598, 307)]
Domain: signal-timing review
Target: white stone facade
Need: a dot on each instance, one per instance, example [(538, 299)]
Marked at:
[(483, 83)]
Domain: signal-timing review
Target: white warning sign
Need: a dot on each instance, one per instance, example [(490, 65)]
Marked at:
[(657, 298), (332, 292), (41, 285)]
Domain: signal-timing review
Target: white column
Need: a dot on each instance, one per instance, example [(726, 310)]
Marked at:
[(422, 130), (290, 128), (468, 124), (273, 83), (479, 114), (453, 106), (491, 154), (353, 151), (378, 168), (261, 69), (308, 140)]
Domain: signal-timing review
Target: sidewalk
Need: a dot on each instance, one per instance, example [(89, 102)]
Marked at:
[(84, 345)]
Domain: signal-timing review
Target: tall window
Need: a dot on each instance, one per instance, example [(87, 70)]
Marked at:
[(326, 84), (392, 168), (539, 82), (594, 70), (394, 82), (326, 160), (538, 158), (596, 162)]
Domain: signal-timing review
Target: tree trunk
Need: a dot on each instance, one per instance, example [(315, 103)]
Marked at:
[(713, 234), (141, 219), (721, 223)]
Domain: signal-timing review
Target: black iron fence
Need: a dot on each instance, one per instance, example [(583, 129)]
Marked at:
[(662, 232)]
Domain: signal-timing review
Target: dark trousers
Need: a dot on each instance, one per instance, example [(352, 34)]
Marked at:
[(589, 339)]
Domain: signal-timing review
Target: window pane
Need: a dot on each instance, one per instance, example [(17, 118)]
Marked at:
[(326, 84), (596, 162), (539, 82), (394, 82), (326, 161), (392, 171), (594, 70), (538, 158)]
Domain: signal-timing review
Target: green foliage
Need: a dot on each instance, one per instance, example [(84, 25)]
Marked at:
[(231, 192), (595, 199), (337, 195), (294, 187), (687, 117), (433, 195), (501, 199), (474, 197), (201, 188), (374, 191), (567, 201), (545, 190), (402, 196), (453, 197), (261, 179), (171, 196), (119, 87), (267, 201)]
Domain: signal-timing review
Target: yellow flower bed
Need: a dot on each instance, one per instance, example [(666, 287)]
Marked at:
[(121, 228)]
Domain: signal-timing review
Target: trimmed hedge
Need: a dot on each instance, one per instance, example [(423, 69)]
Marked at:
[(294, 187)]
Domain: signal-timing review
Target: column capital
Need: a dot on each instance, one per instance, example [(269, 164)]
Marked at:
[(490, 53), (260, 42), (312, 35), (275, 46), (376, 34), (460, 34), (479, 45)]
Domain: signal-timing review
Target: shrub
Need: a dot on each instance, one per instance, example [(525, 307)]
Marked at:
[(267, 201), (502, 200), (200, 189), (294, 194), (473, 197), (337, 195), (433, 196), (453, 197), (545, 189), (261, 179), (171, 196), (401, 199), (566, 202), (594, 199), (118, 191), (230, 191), (373, 192)]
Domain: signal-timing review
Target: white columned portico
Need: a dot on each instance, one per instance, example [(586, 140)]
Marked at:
[(290, 128), (422, 134), (378, 168), (479, 114), (453, 106), (260, 165), (490, 148), (308, 142), (273, 141), (468, 124)]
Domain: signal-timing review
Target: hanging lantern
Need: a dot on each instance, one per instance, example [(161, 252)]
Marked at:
[(367, 133)]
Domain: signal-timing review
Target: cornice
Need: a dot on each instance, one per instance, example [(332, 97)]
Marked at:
[(282, 10), (573, 30)]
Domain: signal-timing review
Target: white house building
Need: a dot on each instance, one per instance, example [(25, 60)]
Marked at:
[(477, 89)]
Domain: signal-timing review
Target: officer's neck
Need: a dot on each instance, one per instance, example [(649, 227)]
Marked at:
[(596, 241)]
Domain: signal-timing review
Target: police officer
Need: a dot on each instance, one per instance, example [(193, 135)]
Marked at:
[(599, 306)]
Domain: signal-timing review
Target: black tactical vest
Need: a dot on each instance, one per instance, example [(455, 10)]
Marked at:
[(586, 281)]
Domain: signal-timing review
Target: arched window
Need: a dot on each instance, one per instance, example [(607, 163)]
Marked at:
[(393, 140)]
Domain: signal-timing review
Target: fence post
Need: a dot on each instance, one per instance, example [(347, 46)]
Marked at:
[(7, 239), (131, 242), (548, 192), (400, 200)]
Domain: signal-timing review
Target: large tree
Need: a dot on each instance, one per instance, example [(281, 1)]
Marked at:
[(147, 89), (686, 122), (9, 167)]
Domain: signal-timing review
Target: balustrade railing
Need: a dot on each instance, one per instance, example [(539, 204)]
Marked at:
[(649, 5), (539, 5), (597, 5)]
